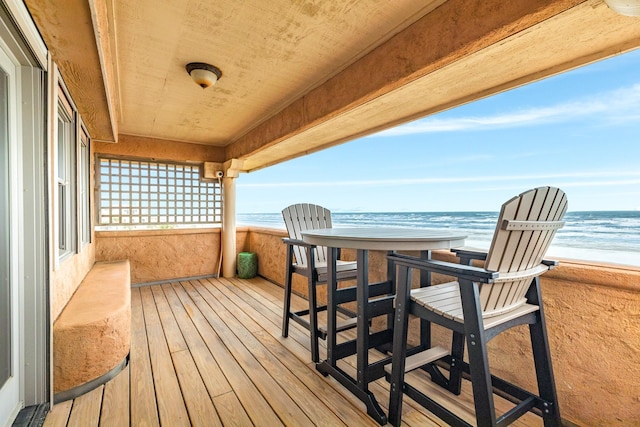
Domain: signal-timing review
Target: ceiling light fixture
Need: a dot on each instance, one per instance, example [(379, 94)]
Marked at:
[(204, 75), (625, 7)]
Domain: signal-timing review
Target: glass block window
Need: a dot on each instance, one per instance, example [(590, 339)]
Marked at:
[(150, 194)]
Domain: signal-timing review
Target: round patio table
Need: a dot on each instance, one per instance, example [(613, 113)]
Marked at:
[(364, 239)]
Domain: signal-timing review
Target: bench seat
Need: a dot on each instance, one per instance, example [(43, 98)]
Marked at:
[(92, 335)]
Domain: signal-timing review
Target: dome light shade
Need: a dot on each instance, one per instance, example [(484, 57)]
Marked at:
[(625, 7), (204, 75)]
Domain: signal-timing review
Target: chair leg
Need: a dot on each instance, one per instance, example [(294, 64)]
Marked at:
[(542, 361), (287, 308), (481, 384), (313, 322), (400, 329), (544, 374), (478, 358), (286, 312), (455, 370)]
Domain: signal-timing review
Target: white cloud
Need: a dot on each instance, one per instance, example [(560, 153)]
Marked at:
[(615, 106)]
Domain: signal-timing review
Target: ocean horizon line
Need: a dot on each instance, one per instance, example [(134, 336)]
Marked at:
[(333, 211)]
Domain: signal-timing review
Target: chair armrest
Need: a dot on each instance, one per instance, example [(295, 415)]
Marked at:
[(550, 263), (297, 242), (522, 274), (469, 253), (461, 271)]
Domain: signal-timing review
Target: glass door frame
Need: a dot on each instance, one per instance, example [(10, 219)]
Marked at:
[(28, 61), (11, 400)]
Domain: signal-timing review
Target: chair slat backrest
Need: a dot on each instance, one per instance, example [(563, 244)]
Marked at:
[(526, 226), (306, 216)]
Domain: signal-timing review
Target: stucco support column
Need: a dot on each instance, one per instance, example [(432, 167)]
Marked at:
[(231, 171)]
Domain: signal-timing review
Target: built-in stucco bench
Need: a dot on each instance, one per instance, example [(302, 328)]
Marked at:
[(92, 335)]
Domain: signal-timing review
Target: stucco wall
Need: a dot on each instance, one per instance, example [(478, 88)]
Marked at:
[(593, 321), (66, 278), (162, 255)]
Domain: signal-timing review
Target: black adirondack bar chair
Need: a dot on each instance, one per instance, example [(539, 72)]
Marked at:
[(479, 305), (310, 261)]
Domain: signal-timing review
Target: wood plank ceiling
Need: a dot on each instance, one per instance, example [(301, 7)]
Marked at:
[(299, 76)]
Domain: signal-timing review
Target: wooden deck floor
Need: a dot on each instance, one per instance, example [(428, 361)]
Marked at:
[(209, 353)]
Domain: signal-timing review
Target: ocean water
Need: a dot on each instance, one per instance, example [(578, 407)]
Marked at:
[(601, 236)]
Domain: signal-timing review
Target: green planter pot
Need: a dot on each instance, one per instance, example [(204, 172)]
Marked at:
[(247, 265)]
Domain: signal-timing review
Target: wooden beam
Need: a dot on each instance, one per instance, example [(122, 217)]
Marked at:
[(104, 30), (68, 33), (139, 146), (454, 30)]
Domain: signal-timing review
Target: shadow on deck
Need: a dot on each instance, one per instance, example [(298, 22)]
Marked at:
[(209, 353)]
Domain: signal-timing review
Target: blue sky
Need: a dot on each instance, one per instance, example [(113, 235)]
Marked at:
[(579, 131)]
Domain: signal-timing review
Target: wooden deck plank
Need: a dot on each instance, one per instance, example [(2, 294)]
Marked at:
[(199, 404), (315, 408), (86, 409), (260, 308), (211, 373), (58, 416), (171, 407), (221, 297), (144, 411), (271, 291), (115, 401), (172, 333), (285, 407), (253, 401), (231, 410)]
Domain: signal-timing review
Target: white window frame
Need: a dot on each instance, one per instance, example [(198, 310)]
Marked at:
[(66, 178), (84, 184)]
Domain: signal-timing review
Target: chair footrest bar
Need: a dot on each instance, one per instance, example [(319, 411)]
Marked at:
[(516, 412), (341, 326), (420, 359), (305, 312), (347, 312), (299, 313), (299, 320), (349, 294), (432, 406), (512, 392)]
